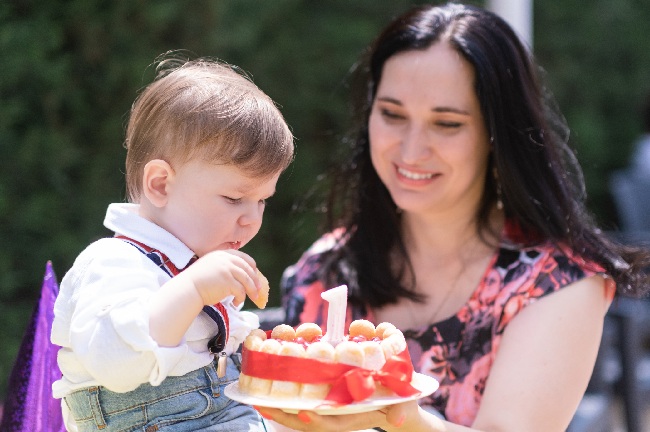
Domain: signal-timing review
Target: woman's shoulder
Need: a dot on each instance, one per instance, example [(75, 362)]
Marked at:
[(523, 275), (327, 242), (305, 270), (535, 271), (542, 255)]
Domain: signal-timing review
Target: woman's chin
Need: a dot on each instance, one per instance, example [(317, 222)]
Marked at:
[(409, 206)]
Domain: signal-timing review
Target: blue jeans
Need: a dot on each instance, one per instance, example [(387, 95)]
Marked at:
[(193, 402)]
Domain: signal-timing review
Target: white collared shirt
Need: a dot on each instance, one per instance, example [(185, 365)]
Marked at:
[(102, 318)]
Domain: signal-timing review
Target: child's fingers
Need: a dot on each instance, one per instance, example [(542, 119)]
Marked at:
[(260, 294), (247, 284), (229, 272), (247, 258), (245, 262)]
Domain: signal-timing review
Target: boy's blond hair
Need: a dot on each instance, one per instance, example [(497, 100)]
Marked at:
[(205, 109)]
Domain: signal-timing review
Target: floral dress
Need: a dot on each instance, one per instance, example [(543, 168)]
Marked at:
[(457, 351)]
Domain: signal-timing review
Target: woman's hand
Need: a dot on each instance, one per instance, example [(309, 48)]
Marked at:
[(393, 417)]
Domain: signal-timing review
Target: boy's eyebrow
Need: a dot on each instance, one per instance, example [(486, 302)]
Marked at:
[(245, 189), (442, 109)]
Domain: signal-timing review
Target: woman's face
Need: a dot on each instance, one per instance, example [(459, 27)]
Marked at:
[(428, 141)]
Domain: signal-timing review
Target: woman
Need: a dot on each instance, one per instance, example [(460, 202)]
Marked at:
[(460, 219)]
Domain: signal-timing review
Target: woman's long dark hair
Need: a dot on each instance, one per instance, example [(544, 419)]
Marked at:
[(543, 190)]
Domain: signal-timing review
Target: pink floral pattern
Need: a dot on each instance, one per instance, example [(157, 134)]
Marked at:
[(458, 351)]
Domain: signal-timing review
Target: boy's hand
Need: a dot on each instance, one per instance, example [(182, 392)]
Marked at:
[(208, 281), (219, 274)]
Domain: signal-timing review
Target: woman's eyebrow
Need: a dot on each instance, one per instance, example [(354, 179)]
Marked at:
[(389, 99), (442, 109), (445, 109)]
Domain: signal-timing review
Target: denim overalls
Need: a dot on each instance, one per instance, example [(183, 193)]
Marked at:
[(192, 402)]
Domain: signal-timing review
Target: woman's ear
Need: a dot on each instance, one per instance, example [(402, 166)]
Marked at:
[(155, 181)]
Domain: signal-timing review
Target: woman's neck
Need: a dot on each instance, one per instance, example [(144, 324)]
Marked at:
[(444, 238)]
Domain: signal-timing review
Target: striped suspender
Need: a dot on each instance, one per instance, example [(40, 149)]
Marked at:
[(217, 312)]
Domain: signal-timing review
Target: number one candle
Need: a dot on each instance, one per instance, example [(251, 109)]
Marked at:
[(337, 308)]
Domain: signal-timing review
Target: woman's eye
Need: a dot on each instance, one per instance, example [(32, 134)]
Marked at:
[(449, 124), (391, 115)]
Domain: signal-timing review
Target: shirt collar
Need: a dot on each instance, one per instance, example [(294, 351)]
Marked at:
[(124, 219)]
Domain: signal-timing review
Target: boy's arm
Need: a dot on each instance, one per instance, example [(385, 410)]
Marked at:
[(208, 281), (173, 309)]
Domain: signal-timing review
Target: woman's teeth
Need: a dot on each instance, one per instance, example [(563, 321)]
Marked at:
[(414, 176)]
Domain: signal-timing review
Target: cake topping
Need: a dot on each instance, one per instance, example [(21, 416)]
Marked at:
[(362, 330), (309, 332), (284, 332)]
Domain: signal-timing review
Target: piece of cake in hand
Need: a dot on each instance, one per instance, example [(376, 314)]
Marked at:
[(263, 294)]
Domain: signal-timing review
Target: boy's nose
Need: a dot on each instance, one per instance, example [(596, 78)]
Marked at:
[(252, 215)]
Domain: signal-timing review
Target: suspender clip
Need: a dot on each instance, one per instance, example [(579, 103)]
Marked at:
[(221, 364)]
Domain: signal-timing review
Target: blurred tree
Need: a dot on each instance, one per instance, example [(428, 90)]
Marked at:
[(598, 61), (71, 70)]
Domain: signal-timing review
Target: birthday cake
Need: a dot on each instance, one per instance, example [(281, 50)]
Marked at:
[(339, 367)]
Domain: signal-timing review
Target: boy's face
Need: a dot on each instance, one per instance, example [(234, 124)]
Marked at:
[(214, 207)]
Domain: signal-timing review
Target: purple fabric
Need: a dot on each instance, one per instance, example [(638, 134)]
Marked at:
[(29, 406)]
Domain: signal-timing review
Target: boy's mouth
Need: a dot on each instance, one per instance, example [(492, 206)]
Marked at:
[(235, 245)]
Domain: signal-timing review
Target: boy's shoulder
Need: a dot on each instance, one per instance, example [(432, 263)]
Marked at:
[(107, 248), (108, 244), (101, 256)]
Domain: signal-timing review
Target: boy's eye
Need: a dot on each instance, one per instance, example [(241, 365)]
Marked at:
[(233, 200)]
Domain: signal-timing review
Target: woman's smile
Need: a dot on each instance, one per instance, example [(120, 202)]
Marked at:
[(415, 177)]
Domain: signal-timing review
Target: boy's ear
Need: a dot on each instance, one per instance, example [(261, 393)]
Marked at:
[(155, 181)]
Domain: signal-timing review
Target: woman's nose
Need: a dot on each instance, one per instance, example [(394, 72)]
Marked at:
[(415, 145)]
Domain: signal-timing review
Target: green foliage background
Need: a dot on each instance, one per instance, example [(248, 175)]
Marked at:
[(71, 69)]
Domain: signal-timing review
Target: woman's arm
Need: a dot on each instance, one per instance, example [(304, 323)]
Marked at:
[(545, 361), (539, 376)]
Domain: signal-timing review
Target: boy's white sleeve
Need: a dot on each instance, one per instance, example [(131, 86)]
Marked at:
[(102, 321)]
